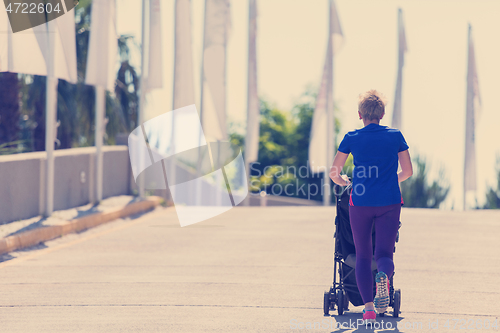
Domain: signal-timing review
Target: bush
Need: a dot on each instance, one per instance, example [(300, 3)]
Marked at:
[(417, 192), (492, 195)]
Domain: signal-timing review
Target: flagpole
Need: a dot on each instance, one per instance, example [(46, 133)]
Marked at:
[(220, 188), (100, 74), (396, 114), (140, 113), (248, 134), (50, 135), (469, 106), (330, 147), (329, 114), (202, 83), (183, 91), (326, 174), (99, 133), (247, 137), (466, 126), (172, 136), (50, 123)]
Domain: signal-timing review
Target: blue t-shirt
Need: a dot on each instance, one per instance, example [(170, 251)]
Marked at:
[(375, 151)]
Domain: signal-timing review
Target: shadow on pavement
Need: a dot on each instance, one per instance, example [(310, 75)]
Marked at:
[(80, 213), (31, 226), (8, 256), (92, 210)]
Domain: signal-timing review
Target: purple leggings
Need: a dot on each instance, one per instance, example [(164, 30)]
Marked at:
[(386, 219)]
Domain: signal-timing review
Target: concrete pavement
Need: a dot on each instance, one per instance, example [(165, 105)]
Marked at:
[(252, 269), (31, 232)]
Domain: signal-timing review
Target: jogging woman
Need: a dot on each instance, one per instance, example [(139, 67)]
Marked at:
[(375, 196)]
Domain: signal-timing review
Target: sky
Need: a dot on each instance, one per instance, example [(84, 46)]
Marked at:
[(291, 46)]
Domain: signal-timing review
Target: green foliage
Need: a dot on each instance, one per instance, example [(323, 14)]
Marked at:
[(348, 166), (127, 86), (493, 195), (278, 138), (77, 115), (33, 104), (303, 112), (417, 192), (283, 149), (13, 147), (275, 174), (237, 142), (75, 102), (9, 108), (277, 134)]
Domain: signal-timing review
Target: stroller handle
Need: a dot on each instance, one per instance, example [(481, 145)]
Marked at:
[(346, 188)]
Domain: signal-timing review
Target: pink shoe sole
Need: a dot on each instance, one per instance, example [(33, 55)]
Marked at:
[(369, 316)]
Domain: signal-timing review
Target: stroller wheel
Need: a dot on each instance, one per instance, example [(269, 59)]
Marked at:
[(340, 301), (326, 303), (346, 301), (397, 303)]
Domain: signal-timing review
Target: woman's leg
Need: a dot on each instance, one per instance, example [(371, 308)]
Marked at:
[(386, 229), (361, 224)]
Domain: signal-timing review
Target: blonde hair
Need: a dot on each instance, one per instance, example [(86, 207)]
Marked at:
[(371, 105)]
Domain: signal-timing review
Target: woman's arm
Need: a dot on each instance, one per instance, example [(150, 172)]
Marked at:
[(338, 165), (406, 167)]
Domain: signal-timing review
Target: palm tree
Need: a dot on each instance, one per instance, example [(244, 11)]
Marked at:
[(127, 85)]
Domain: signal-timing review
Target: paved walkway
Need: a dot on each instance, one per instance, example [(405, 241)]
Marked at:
[(252, 269)]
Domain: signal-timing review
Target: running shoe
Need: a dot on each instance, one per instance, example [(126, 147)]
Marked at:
[(369, 316), (381, 300)]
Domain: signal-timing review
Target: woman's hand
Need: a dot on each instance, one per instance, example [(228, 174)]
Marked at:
[(338, 164)]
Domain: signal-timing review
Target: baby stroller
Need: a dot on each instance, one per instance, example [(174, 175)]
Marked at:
[(346, 289)]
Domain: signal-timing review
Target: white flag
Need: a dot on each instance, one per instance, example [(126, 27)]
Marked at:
[(213, 99), (155, 66), (472, 110), (65, 47), (253, 110), (402, 49), (324, 101), (183, 62), (103, 45), (27, 51), (20, 52)]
